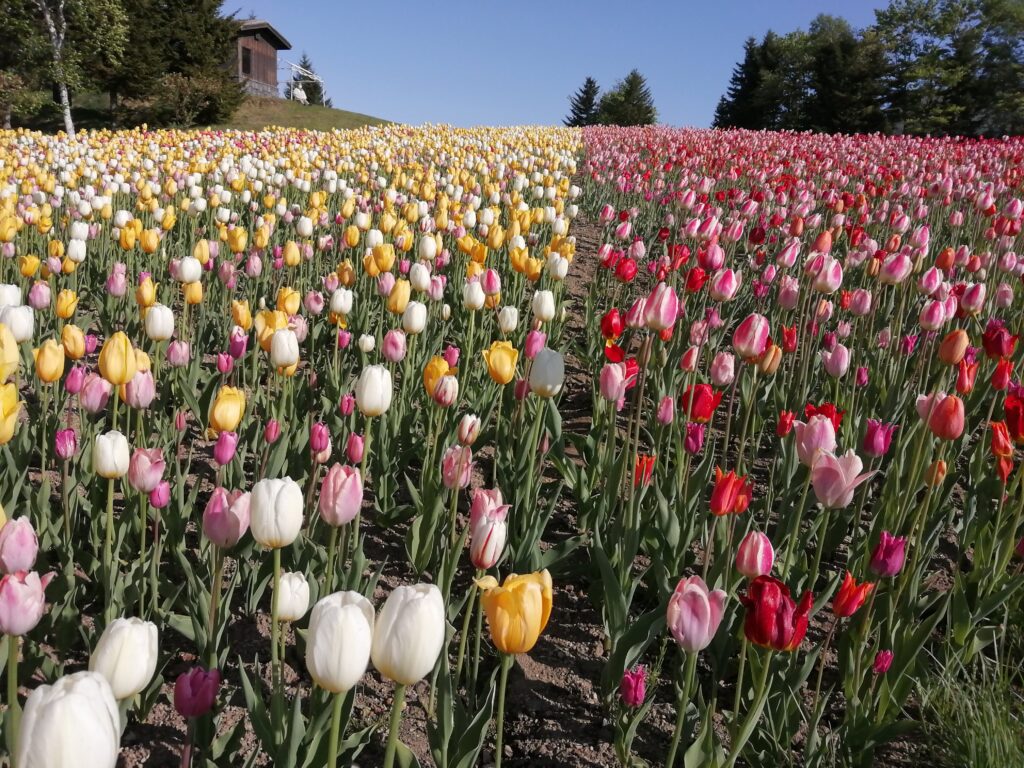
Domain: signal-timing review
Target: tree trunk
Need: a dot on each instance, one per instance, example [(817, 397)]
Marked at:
[(7, 117), (56, 29), (65, 105)]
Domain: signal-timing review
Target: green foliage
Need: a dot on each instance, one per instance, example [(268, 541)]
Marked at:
[(925, 66), (583, 105), (185, 101), (629, 103)]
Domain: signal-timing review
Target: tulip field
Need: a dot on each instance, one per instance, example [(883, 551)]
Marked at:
[(503, 446)]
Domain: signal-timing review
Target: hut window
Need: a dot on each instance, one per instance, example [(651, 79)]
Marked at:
[(246, 61)]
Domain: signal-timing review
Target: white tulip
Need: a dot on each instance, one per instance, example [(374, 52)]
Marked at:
[(284, 348), (374, 390), (508, 319), (427, 248), (362, 221), (341, 301), (73, 723), (374, 238), (547, 373), (20, 321), (419, 278), (159, 323), (367, 343), (409, 633), (110, 455), (76, 250), (79, 230), (304, 226), (558, 267), (414, 319), (544, 306), (338, 641), (293, 600), (473, 296), (126, 656), (190, 270), (446, 312), (275, 511), (10, 295)]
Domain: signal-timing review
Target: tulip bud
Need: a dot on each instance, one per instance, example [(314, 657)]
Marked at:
[(883, 660), (755, 555), (275, 511), (195, 692), (126, 656), (293, 598), (339, 641), (469, 429), (409, 633)]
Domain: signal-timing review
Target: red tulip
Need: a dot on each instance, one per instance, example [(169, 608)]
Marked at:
[(773, 620), (828, 410), (731, 494), (946, 421), (786, 419), (997, 341), (851, 596), (699, 402), (789, 339)]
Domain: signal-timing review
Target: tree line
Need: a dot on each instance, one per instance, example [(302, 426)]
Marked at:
[(629, 102), (160, 61), (940, 67)]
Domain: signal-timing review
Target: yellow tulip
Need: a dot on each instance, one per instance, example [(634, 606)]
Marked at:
[(292, 256), (142, 361), (49, 360), (237, 238), (288, 300), (241, 315), (201, 251), (127, 238), (28, 265), (227, 409), (193, 292), (149, 240), (518, 610), (145, 293), (346, 274), (473, 269), (398, 299), (9, 356), (384, 256), (370, 266), (351, 236), (68, 266), (435, 370), (55, 249), (73, 340), (501, 360), (67, 303), (117, 359), (9, 408)]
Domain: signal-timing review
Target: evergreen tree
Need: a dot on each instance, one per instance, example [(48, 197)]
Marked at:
[(583, 104), (629, 103), (736, 109), (314, 90)]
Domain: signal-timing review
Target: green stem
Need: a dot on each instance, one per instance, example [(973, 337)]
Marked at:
[(367, 439), (506, 665), (396, 719), (108, 551), (143, 518), (275, 654), (13, 706), (332, 550), (794, 532), (744, 648), (684, 700), (470, 610), (475, 670), (218, 583), (332, 750), (760, 696)]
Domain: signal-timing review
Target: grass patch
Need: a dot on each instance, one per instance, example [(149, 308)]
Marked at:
[(256, 113)]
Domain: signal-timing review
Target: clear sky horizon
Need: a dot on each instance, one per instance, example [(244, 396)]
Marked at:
[(491, 63)]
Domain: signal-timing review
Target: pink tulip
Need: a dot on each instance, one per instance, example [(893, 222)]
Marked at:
[(457, 467), (393, 346), (146, 469), (887, 559), (927, 404), (225, 447), (347, 404), (725, 284), (226, 517), (816, 436), (860, 302), (65, 443), (22, 601), (181, 420), (140, 392), (930, 281), (829, 277), (883, 660), (613, 382), (344, 338), (751, 337), (835, 478), (487, 533), (341, 495), (160, 496), (666, 410), (694, 439), (895, 269), (723, 369), (633, 687), (694, 614), (354, 448), (487, 503), (238, 343), (490, 281), (973, 300), (39, 295), (271, 431), (19, 545), (117, 283), (469, 429), (836, 362), (225, 363), (74, 380), (755, 555), (535, 342), (636, 315), (385, 283), (91, 342), (178, 353), (661, 308), (95, 393), (319, 437), (933, 316), (789, 292), (314, 302), (878, 438), (446, 393), (195, 692), (451, 355)]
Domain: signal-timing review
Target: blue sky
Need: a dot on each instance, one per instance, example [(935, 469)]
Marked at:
[(493, 62)]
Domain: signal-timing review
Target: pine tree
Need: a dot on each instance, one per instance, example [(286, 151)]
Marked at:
[(583, 105), (314, 90), (629, 103), (737, 108)]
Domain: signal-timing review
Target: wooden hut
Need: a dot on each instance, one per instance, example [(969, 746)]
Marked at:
[(256, 56)]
